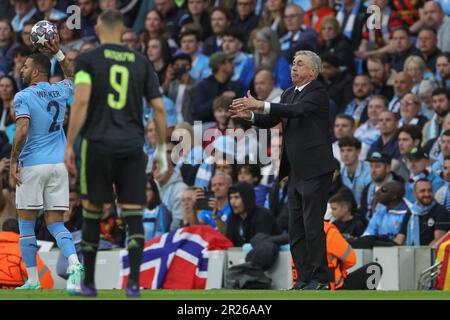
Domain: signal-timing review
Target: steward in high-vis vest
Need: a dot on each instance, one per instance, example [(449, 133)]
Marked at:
[(12, 268), (342, 257)]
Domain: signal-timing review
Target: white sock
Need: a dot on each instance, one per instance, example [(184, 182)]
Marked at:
[(33, 276), (73, 259)]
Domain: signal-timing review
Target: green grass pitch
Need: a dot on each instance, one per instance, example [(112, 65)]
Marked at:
[(233, 295)]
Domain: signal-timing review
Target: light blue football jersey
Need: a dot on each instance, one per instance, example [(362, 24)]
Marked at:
[(45, 105)]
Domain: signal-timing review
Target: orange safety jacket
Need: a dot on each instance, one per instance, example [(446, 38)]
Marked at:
[(13, 272), (340, 256)]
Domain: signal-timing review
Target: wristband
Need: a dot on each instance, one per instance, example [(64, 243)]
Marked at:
[(60, 56)]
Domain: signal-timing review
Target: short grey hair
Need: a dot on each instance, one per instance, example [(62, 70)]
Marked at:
[(315, 61), (227, 177)]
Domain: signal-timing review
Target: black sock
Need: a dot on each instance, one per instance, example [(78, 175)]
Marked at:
[(89, 244), (135, 245)]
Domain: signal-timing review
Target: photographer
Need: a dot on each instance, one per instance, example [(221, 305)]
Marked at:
[(216, 208), (177, 84)]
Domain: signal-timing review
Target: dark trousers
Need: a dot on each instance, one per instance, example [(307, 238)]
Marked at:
[(307, 204), (365, 278)]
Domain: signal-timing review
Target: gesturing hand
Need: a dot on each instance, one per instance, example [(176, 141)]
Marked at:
[(243, 106)]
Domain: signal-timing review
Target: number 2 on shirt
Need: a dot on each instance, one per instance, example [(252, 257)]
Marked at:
[(120, 86)]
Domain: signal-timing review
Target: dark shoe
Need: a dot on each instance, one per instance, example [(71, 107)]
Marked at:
[(316, 285), (299, 285), (88, 290), (132, 291)]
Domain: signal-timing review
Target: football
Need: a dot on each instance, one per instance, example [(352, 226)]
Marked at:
[(42, 32)]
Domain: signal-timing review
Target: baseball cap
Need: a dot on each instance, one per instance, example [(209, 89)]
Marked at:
[(417, 154), (218, 58), (379, 157)]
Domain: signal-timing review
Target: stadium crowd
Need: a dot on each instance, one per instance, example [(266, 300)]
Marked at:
[(389, 92)]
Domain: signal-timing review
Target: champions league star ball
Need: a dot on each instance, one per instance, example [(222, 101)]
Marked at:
[(42, 32)]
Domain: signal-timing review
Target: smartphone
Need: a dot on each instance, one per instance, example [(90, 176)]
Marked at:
[(202, 204)]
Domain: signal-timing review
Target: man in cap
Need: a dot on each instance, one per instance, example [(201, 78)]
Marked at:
[(417, 161), (380, 172), (218, 84)]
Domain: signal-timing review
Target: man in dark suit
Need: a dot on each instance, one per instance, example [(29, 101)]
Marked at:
[(308, 160)]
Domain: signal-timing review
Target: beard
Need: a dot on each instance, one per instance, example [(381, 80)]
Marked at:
[(26, 80)]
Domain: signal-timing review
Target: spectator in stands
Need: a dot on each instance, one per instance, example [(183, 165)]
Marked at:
[(319, 10), (171, 188), (245, 19), (369, 131), (416, 68), (427, 45), (443, 194), (8, 89), (402, 47), (267, 55), (417, 161), (89, 12), (264, 86), (190, 44), (355, 173), (410, 111), (219, 83), (131, 40), (298, 36), (221, 116), (251, 174), (232, 44), (444, 147), (8, 45), (25, 10), (70, 38), (433, 146), (272, 16), (434, 17), (12, 267), (388, 142), (178, 83), (154, 27), (189, 201), (443, 68), (171, 15), (247, 219), (334, 42), (220, 21), (20, 56), (376, 40), (158, 52), (352, 17), (339, 83), (384, 226), (403, 84), (362, 91), (25, 34), (6, 9), (409, 137), (219, 215), (344, 209), (426, 89), (379, 72), (197, 13), (441, 106), (427, 222), (344, 126), (156, 217), (48, 11)]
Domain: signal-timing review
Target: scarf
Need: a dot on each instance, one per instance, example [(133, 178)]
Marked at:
[(413, 231), (348, 29), (446, 199), (433, 129)]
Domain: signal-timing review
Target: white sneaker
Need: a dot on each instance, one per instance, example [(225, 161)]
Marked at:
[(76, 273)]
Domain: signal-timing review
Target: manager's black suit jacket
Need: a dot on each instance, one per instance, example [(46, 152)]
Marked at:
[(306, 150)]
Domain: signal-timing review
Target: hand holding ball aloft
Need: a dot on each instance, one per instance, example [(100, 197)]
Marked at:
[(43, 32)]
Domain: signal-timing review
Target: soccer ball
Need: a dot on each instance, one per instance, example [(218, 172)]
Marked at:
[(42, 32)]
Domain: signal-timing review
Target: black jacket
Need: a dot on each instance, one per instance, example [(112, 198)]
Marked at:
[(398, 60), (210, 46), (306, 150), (342, 48), (258, 220), (340, 89), (204, 93)]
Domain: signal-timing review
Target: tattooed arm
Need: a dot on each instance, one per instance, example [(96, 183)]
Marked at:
[(20, 138)]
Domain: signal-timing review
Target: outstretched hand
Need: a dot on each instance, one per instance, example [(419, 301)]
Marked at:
[(52, 46), (243, 107)]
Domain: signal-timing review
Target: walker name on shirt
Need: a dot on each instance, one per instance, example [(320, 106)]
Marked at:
[(48, 94)]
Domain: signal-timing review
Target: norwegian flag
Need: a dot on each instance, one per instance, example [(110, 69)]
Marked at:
[(177, 259)]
